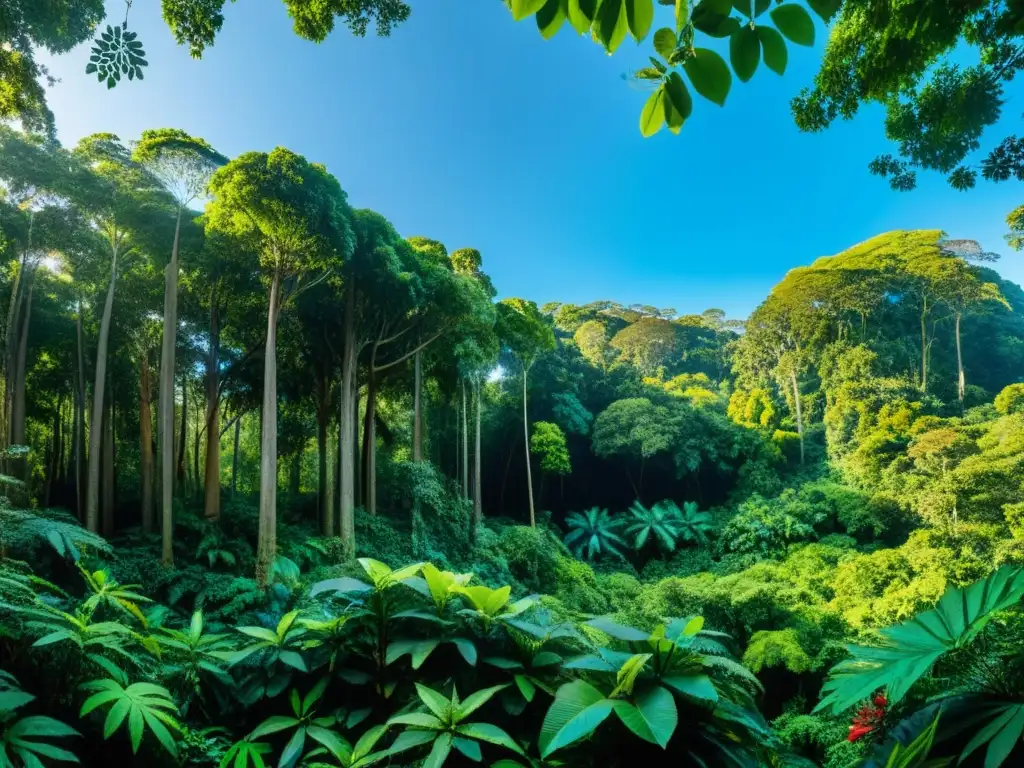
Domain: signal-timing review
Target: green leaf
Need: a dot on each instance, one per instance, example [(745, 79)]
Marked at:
[(39, 725), (581, 14), (342, 586), (466, 648), (333, 742), (654, 716), (678, 104), (652, 117), (418, 720), (618, 631), (610, 25), (664, 42), (135, 727), (773, 47), (272, 725), (682, 14), (292, 750), (794, 22), (744, 52), (492, 734), (640, 15), (90, 69), (709, 75), (526, 687), (11, 700), (697, 687), (578, 709), (293, 659), (1002, 733), (474, 701), (469, 748), (520, 10), (435, 702), (550, 18), (439, 753), (826, 9)]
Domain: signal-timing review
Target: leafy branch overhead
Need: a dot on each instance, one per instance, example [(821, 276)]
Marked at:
[(755, 34), (117, 52)]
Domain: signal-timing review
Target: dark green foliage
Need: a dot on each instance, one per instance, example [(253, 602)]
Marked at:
[(594, 533), (117, 52)]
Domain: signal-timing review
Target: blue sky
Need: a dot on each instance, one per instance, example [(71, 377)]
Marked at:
[(469, 128)]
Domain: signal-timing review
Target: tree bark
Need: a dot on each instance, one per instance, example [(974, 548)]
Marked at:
[(211, 474), (108, 469), (79, 428), (92, 501), (370, 436), (183, 435), (234, 458), (19, 374), (266, 548), (417, 410), (10, 334), (961, 381), (195, 450), (53, 460), (478, 506), (346, 433), (799, 412), (323, 412), (526, 445), (146, 442), (465, 445), (924, 344), (165, 416)]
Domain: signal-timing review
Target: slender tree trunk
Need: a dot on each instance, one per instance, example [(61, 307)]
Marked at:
[(370, 436), (295, 475), (11, 331), (234, 457), (79, 428), (211, 476), (323, 412), (465, 445), (417, 410), (346, 434), (108, 469), (183, 434), (478, 504), (961, 381), (165, 404), (92, 501), (53, 460), (266, 548), (924, 344), (146, 442), (195, 450), (526, 439), (799, 412), (357, 463), (19, 374), (329, 492)]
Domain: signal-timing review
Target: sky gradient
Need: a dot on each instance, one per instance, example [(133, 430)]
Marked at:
[(469, 128)]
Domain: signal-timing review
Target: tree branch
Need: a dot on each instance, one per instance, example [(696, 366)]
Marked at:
[(403, 358)]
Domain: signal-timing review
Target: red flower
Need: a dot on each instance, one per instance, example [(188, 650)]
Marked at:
[(868, 717)]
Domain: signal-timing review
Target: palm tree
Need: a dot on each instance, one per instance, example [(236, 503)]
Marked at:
[(593, 533)]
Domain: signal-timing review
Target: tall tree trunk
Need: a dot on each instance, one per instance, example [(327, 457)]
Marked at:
[(295, 475), (323, 412), (79, 429), (478, 503), (417, 410), (19, 374), (53, 460), (526, 445), (961, 381), (183, 434), (211, 476), (465, 445), (146, 442), (11, 333), (165, 416), (357, 463), (799, 411), (195, 450), (266, 547), (92, 501), (234, 457), (924, 344), (108, 469), (346, 434), (370, 436)]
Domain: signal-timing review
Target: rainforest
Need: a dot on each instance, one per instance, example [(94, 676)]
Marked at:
[(283, 486)]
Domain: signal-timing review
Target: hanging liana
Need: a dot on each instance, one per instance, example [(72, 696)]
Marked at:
[(117, 52)]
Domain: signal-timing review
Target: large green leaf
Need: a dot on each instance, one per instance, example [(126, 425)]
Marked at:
[(652, 117), (639, 14), (550, 19), (439, 752), (582, 13), (523, 8), (610, 24), (476, 700), (653, 717), (794, 22), (909, 650), (578, 709), (826, 9), (744, 52), (773, 47), (491, 734), (709, 74), (697, 687), (618, 631), (664, 42), (1002, 734)]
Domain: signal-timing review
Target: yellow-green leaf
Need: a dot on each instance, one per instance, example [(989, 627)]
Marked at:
[(653, 115), (523, 8), (550, 18), (610, 25), (665, 42), (640, 14), (581, 14)]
